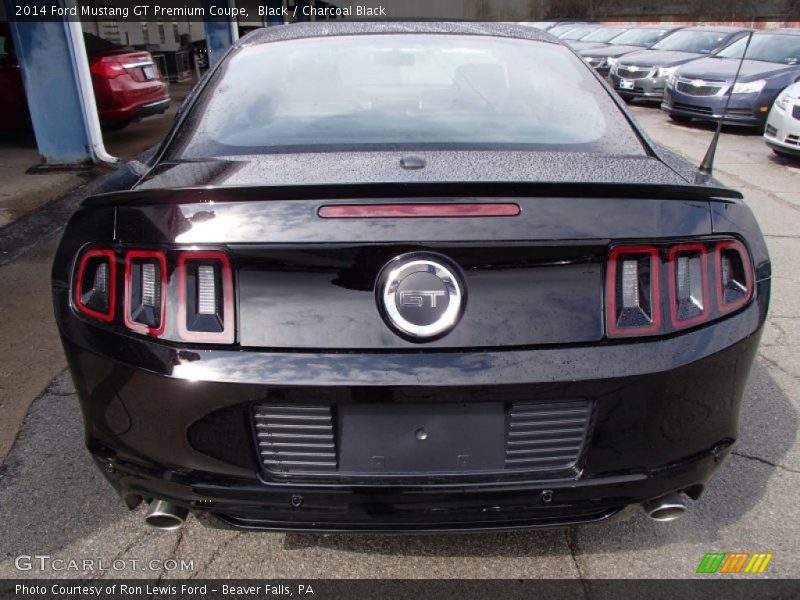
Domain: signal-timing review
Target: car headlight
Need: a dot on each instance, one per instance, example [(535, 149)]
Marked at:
[(666, 71), (783, 101), (672, 79), (749, 87)]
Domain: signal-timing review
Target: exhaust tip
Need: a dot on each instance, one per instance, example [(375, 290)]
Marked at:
[(165, 516), (665, 509)]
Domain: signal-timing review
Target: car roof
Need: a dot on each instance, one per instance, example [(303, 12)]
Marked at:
[(782, 31), (342, 28), (719, 28)]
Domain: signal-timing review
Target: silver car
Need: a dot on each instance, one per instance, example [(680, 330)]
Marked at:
[(782, 133)]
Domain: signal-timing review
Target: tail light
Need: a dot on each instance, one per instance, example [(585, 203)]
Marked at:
[(632, 291), (145, 291), (205, 297), (107, 68), (735, 280), (688, 285), (634, 276), (95, 287)]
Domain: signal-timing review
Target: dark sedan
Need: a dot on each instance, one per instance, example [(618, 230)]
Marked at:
[(643, 75), (602, 58), (409, 277), (701, 88)]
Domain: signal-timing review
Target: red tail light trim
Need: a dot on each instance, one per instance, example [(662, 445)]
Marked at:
[(112, 282), (227, 335), (108, 68), (673, 300), (130, 323), (748, 275), (655, 292), (416, 211)]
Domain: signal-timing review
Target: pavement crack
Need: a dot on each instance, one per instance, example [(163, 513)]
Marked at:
[(173, 553), (572, 544), (778, 366), (764, 461), (216, 553)]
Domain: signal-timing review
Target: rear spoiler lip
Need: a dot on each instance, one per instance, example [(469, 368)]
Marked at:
[(415, 190)]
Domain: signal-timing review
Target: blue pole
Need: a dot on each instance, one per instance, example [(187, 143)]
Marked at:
[(47, 67), (220, 32)]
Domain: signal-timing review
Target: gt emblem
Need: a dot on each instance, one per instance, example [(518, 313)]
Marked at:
[(417, 298), (420, 295)]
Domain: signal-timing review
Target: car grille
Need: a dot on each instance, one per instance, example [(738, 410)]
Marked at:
[(708, 89), (796, 112), (539, 436), (701, 110), (295, 439), (794, 140), (633, 72)]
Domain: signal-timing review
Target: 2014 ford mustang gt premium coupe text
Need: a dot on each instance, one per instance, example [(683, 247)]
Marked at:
[(409, 277)]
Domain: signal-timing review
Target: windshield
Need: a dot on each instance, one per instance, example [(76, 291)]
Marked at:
[(577, 33), (404, 91), (538, 24), (699, 42), (603, 35), (639, 37), (775, 48)]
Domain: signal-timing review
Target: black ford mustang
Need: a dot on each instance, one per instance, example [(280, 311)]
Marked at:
[(407, 277)]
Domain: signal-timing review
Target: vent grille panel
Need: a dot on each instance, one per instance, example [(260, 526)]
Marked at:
[(546, 436), (296, 439)]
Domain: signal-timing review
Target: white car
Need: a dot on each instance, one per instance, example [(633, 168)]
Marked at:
[(782, 133)]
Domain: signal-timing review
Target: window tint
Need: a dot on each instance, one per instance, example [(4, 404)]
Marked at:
[(639, 37), (784, 49), (399, 91), (577, 33), (603, 35), (98, 44), (699, 42)]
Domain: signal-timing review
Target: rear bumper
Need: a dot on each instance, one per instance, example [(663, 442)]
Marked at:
[(665, 413)]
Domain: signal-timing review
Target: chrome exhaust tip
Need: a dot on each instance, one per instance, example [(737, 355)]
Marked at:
[(165, 516), (667, 508)]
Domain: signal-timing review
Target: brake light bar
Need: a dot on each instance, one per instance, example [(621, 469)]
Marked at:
[(410, 211)]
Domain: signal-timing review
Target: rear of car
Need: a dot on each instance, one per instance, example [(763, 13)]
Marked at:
[(127, 83), (643, 75), (782, 132), (373, 288), (700, 90)]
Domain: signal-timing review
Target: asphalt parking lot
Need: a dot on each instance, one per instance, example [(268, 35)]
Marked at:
[(54, 502)]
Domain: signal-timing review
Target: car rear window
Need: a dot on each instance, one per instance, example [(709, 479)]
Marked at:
[(698, 42), (775, 48), (404, 91)]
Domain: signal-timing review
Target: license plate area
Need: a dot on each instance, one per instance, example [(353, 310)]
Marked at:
[(626, 84), (421, 439), (149, 72)]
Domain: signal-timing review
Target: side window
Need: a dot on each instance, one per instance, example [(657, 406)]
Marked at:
[(5, 42)]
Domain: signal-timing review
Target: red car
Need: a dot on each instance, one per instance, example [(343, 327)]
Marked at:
[(127, 84)]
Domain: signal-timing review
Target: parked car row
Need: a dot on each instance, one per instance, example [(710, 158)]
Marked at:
[(690, 71)]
